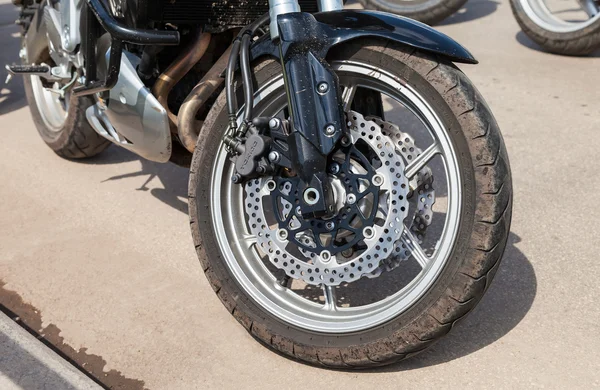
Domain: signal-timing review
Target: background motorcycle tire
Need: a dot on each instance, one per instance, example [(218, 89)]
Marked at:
[(427, 11), (75, 138), (583, 38)]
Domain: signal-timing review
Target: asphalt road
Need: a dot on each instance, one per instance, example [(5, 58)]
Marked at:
[(97, 255)]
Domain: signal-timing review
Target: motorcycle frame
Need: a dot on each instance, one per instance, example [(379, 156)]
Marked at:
[(95, 18), (301, 42)]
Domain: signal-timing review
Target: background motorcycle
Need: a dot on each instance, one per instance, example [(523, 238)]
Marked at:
[(426, 11), (562, 27), (315, 216)]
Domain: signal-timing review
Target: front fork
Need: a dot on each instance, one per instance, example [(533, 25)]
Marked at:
[(316, 114)]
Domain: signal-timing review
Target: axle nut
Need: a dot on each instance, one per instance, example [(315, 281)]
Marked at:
[(311, 196)]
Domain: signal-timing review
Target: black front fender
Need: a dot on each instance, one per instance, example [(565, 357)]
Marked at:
[(342, 26)]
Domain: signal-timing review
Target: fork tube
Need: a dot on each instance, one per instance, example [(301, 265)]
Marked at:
[(330, 5), (280, 7)]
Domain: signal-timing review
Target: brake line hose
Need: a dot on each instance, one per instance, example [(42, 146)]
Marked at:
[(241, 48)]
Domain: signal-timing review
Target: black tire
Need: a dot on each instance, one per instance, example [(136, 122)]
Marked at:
[(486, 214), (427, 11), (580, 42), (76, 138)]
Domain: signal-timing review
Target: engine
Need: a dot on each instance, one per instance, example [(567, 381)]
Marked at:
[(215, 16)]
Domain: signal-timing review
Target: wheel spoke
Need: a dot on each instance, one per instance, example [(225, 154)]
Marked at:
[(589, 6), (348, 96), (259, 272), (422, 159), (415, 249), (247, 240), (330, 300)]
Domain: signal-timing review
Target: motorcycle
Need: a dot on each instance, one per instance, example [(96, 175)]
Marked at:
[(427, 11), (313, 136), (569, 28)]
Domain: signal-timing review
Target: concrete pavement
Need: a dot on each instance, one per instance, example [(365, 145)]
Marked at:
[(26, 363), (97, 255)]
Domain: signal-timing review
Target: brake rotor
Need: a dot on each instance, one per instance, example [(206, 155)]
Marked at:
[(299, 253), (421, 186)]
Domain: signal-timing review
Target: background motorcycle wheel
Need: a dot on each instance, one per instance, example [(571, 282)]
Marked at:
[(427, 11), (554, 34), (61, 122), (220, 226)]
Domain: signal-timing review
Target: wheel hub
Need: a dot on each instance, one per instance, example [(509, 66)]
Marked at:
[(355, 196)]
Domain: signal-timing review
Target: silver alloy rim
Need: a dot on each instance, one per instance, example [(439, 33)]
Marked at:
[(51, 107), (540, 14), (238, 245)]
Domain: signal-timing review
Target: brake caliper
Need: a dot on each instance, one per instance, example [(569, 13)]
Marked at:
[(260, 149)]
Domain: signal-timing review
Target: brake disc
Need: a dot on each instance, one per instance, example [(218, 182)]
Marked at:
[(421, 186), (378, 241), (297, 246)]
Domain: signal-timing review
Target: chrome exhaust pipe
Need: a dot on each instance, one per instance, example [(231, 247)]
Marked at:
[(187, 128), (175, 72)]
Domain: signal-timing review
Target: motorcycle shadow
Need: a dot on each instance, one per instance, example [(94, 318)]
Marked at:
[(502, 308), (174, 179), (505, 304)]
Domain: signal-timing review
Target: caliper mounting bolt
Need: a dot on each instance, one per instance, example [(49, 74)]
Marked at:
[(274, 156), (274, 123)]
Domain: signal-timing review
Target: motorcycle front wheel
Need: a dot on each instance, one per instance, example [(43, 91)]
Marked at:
[(423, 198), (561, 27)]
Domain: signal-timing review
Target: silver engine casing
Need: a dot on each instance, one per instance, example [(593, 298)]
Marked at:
[(132, 117)]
